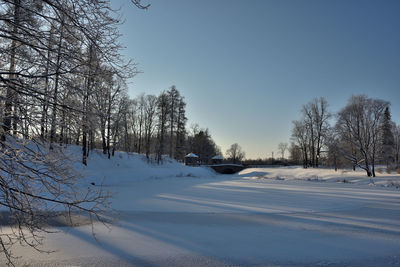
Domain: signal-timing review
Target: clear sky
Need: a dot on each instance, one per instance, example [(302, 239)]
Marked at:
[(247, 67)]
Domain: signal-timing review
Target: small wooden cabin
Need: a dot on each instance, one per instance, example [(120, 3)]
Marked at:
[(216, 159), (191, 159)]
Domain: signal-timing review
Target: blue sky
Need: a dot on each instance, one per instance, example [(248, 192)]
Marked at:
[(247, 67)]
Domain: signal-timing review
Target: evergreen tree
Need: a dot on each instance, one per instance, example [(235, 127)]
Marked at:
[(387, 138)]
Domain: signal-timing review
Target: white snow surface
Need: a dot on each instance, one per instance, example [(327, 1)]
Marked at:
[(175, 215)]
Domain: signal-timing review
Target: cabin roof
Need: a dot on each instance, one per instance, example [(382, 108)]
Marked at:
[(191, 155)]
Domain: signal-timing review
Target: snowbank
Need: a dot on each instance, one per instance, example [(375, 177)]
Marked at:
[(322, 175), (128, 167)]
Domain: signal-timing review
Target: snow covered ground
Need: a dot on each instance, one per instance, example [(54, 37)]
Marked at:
[(173, 215)]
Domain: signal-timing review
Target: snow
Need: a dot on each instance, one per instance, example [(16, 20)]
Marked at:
[(191, 155), (175, 215), (128, 167), (323, 175)]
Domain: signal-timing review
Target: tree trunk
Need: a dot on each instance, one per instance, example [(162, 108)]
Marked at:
[(335, 162), (140, 134), (84, 152), (115, 140), (11, 92), (63, 125), (85, 120), (103, 135), (43, 120), (126, 133), (78, 135), (108, 125), (55, 94)]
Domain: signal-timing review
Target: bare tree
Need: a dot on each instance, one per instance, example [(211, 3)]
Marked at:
[(138, 4), (334, 150), (282, 147), (300, 138), (162, 112), (173, 105), (52, 59), (295, 153), (235, 153), (150, 114), (359, 124), (316, 117), (180, 130), (140, 120), (132, 122), (36, 185), (309, 121), (15, 16)]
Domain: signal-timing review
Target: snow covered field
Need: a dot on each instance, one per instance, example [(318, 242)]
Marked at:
[(173, 215)]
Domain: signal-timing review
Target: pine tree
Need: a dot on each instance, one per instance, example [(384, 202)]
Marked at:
[(387, 138)]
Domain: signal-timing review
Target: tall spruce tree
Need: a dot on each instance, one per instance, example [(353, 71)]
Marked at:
[(387, 138)]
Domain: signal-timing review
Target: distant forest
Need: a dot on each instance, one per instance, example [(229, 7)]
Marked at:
[(361, 134), (63, 81)]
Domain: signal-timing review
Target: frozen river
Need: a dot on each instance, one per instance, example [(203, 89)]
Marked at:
[(239, 221)]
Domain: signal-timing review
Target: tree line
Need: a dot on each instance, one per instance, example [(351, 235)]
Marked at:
[(361, 134), (156, 126), (63, 81)]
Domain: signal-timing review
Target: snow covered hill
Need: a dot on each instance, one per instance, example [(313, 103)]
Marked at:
[(129, 167), (173, 215)]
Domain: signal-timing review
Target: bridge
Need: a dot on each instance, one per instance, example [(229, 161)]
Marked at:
[(227, 168)]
